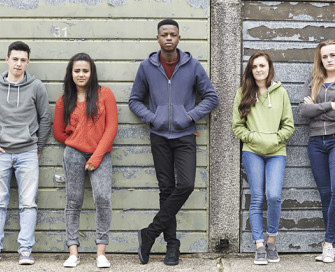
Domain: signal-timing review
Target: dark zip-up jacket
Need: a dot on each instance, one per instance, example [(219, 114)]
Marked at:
[(321, 115), (172, 101)]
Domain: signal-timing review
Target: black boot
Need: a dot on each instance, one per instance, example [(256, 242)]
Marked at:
[(145, 244), (172, 256)]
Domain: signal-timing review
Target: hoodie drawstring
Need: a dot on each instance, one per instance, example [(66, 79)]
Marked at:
[(18, 95), (8, 92), (269, 105)]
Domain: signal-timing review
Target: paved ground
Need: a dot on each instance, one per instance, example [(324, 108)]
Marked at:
[(188, 263)]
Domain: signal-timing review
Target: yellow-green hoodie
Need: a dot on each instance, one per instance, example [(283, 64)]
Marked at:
[(269, 123)]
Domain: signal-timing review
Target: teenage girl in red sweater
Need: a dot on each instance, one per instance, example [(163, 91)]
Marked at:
[(86, 122)]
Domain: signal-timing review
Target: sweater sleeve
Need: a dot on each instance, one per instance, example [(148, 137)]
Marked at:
[(287, 122), (209, 97), (138, 94), (311, 110), (59, 125), (239, 125), (107, 139), (44, 116)]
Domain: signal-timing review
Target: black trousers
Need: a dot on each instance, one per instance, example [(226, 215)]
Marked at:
[(170, 155)]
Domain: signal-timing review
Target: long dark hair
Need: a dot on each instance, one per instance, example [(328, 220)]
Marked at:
[(249, 86), (70, 89), (319, 73)]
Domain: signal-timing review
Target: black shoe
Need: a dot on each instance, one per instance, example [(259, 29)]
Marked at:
[(172, 256), (145, 245)]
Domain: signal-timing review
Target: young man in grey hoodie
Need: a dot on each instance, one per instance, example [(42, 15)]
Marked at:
[(25, 122)]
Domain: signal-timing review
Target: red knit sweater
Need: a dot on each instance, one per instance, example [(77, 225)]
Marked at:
[(84, 134)]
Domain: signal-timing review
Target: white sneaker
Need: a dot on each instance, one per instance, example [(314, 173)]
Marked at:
[(319, 258), (72, 261), (102, 262), (328, 254)]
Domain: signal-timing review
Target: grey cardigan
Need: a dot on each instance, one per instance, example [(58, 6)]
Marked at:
[(321, 115)]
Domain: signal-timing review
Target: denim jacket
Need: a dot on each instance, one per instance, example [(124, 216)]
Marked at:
[(172, 101)]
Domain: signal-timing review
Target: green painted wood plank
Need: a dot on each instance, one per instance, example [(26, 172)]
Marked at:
[(107, 28), (125, 116), (121, 90), (123, 177), (121, 156), (139, 135), (103, 50), (119, 242), (107, 71), (121, 220), (128, 9), (122, 199)]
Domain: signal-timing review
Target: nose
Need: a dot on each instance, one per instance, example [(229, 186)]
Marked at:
[(19, 63), (258, 68)]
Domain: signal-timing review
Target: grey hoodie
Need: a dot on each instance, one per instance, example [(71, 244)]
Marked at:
[(25, 118)]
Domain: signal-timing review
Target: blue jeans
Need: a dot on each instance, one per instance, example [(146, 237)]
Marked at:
[(264, 172), (25, 166), (321, 151)]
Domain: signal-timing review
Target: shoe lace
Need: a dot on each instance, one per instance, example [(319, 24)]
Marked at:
[(328, 251), (25, 253), (260, 255)]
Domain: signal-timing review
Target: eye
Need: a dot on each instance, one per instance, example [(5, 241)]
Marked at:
[(324, 56)]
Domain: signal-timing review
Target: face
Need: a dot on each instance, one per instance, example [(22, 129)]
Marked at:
[(260, 69), (17, 64), (81, 73), (328, 57), (168, 37)]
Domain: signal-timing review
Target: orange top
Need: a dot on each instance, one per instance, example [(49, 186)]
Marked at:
[(84, 134)]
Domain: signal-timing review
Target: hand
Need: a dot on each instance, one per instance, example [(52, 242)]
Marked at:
[(39, 156), (89, 167), (190, 117), (333, 105), (308, 100), (2, 150)]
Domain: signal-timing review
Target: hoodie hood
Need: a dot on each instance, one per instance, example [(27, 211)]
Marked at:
[(27, 79), (184, 57)]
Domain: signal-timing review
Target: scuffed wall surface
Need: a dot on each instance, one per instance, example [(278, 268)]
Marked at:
[(289, 32), (118, 34)]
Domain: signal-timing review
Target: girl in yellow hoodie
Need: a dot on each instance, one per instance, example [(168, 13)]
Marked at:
[(263, 120)]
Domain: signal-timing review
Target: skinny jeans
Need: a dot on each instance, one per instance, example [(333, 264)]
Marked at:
[(265, 174), (321, 151), (172, 155), (101, 180)]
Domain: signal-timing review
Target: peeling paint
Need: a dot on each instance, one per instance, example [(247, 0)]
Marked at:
[(320, 5), (303, 17), (33, 4), (270, 3), (200, 4), (117, 3)]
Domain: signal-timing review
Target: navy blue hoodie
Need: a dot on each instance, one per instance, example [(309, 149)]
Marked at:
[(171, 101)]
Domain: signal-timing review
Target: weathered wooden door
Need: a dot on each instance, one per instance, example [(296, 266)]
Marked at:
[(118, 35)]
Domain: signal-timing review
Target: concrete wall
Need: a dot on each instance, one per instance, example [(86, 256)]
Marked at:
[(118, 35)]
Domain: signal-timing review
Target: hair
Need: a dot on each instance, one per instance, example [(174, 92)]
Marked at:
[(70, 89), (249, 86), (318, 72), (167, 22), (19, 46)]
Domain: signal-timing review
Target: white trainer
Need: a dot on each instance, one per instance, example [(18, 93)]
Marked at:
[(319, 258), (72, 261), (102, 262), (328, 254)]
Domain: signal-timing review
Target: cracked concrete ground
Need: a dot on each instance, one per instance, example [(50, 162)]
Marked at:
[(189, 262)]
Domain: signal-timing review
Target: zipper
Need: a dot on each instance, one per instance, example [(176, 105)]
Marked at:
[(324, 122), (170, 93)]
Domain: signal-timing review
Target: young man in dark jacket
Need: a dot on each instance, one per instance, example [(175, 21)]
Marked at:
[(171, 79), (25, 122)]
